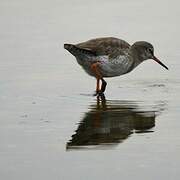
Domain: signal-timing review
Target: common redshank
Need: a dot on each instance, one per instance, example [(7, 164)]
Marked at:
[(110, 57)]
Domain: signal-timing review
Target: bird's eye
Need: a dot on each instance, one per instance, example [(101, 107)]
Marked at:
[(150, 50)]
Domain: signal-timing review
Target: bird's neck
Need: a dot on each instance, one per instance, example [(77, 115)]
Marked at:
[(136, 55)]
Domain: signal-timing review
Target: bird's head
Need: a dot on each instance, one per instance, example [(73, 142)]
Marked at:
[(144, 51)]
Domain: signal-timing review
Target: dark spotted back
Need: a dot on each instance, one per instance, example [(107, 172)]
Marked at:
[(105, 46)]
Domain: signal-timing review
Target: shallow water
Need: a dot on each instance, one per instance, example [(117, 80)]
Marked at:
[(51, 127)]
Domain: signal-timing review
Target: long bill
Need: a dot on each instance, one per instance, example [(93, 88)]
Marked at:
[(158, 61)]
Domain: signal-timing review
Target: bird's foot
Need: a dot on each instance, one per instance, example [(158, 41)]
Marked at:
[(99, 93)]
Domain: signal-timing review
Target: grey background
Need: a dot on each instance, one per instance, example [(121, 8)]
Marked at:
[(44, 93)]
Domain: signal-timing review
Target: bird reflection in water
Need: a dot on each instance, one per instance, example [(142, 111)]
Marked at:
[(110, 122)]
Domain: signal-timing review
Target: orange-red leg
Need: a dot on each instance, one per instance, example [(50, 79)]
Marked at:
[(99, 77), (98, 85), (95, 69)]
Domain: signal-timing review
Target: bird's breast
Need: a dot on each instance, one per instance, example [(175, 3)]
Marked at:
[(116, 66)]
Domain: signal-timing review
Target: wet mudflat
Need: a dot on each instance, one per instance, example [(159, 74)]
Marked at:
[(51, 127)]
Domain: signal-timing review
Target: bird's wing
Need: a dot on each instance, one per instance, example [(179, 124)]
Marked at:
[(109, 46)]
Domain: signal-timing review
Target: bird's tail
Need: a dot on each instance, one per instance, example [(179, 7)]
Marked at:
[(69, 46), (76, 51)]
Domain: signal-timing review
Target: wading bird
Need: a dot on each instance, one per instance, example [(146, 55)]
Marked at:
[(110, 57)]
